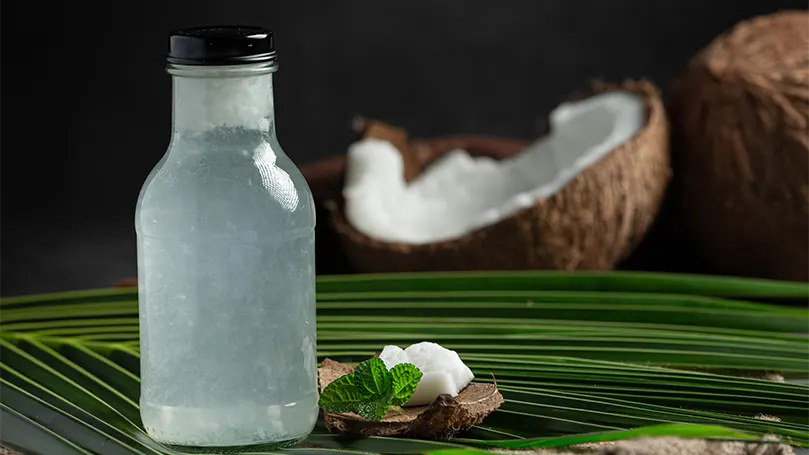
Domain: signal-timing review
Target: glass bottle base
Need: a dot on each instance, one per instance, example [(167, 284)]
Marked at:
[(238, 428)]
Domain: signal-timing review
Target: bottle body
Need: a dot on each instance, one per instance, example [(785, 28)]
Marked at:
[(225, 226)]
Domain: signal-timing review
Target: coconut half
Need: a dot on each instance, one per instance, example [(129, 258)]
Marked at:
[(459, 194), (442, 419), (326, 177), (580, 198), (740, 123)]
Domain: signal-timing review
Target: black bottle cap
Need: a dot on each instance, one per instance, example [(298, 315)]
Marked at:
[(221, 45)]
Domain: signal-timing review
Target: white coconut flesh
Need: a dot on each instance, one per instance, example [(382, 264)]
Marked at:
[(443, 371), (459, 194)]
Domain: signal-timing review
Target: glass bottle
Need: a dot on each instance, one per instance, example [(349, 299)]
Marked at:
[(225, 225)]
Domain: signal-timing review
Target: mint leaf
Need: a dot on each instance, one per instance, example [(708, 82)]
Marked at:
[(371, 389), (406, 378), (374, 410), (373, 376), (342, 395)]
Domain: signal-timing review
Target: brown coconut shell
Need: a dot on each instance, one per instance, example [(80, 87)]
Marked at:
[(592, 223), (740, 119), (442, 419)]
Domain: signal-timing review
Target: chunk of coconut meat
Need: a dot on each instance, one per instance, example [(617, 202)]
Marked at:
[(458, 193), (443, 371)]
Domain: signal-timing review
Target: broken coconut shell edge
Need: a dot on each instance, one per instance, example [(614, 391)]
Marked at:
[(592, 223), (440, 420)]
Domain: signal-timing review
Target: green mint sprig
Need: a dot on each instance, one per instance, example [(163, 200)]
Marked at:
[(371, 389)]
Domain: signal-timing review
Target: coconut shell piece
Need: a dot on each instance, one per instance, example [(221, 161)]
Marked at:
[(442, 419), (740, 123), (595, 221)]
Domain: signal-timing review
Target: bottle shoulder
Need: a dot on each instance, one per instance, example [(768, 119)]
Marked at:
[(255, 187)]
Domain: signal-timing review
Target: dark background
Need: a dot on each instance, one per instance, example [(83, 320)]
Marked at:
[(86, 101)]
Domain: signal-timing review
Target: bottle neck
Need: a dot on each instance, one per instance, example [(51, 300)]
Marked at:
[(210, 99)]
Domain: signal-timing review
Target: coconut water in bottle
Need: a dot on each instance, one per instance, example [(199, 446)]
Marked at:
[(225, 227)]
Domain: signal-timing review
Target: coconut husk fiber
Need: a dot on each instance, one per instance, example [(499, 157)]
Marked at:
[(668, 446), (595, 221), (767, 445), (740, 122), (440, 420)]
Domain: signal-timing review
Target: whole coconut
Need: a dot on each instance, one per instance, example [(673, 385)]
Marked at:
[(740, 119), (596, 220)]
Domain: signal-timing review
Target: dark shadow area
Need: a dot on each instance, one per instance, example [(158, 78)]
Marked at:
[(86, 100)]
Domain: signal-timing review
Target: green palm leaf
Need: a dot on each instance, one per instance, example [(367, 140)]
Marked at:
[(579, 357)]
